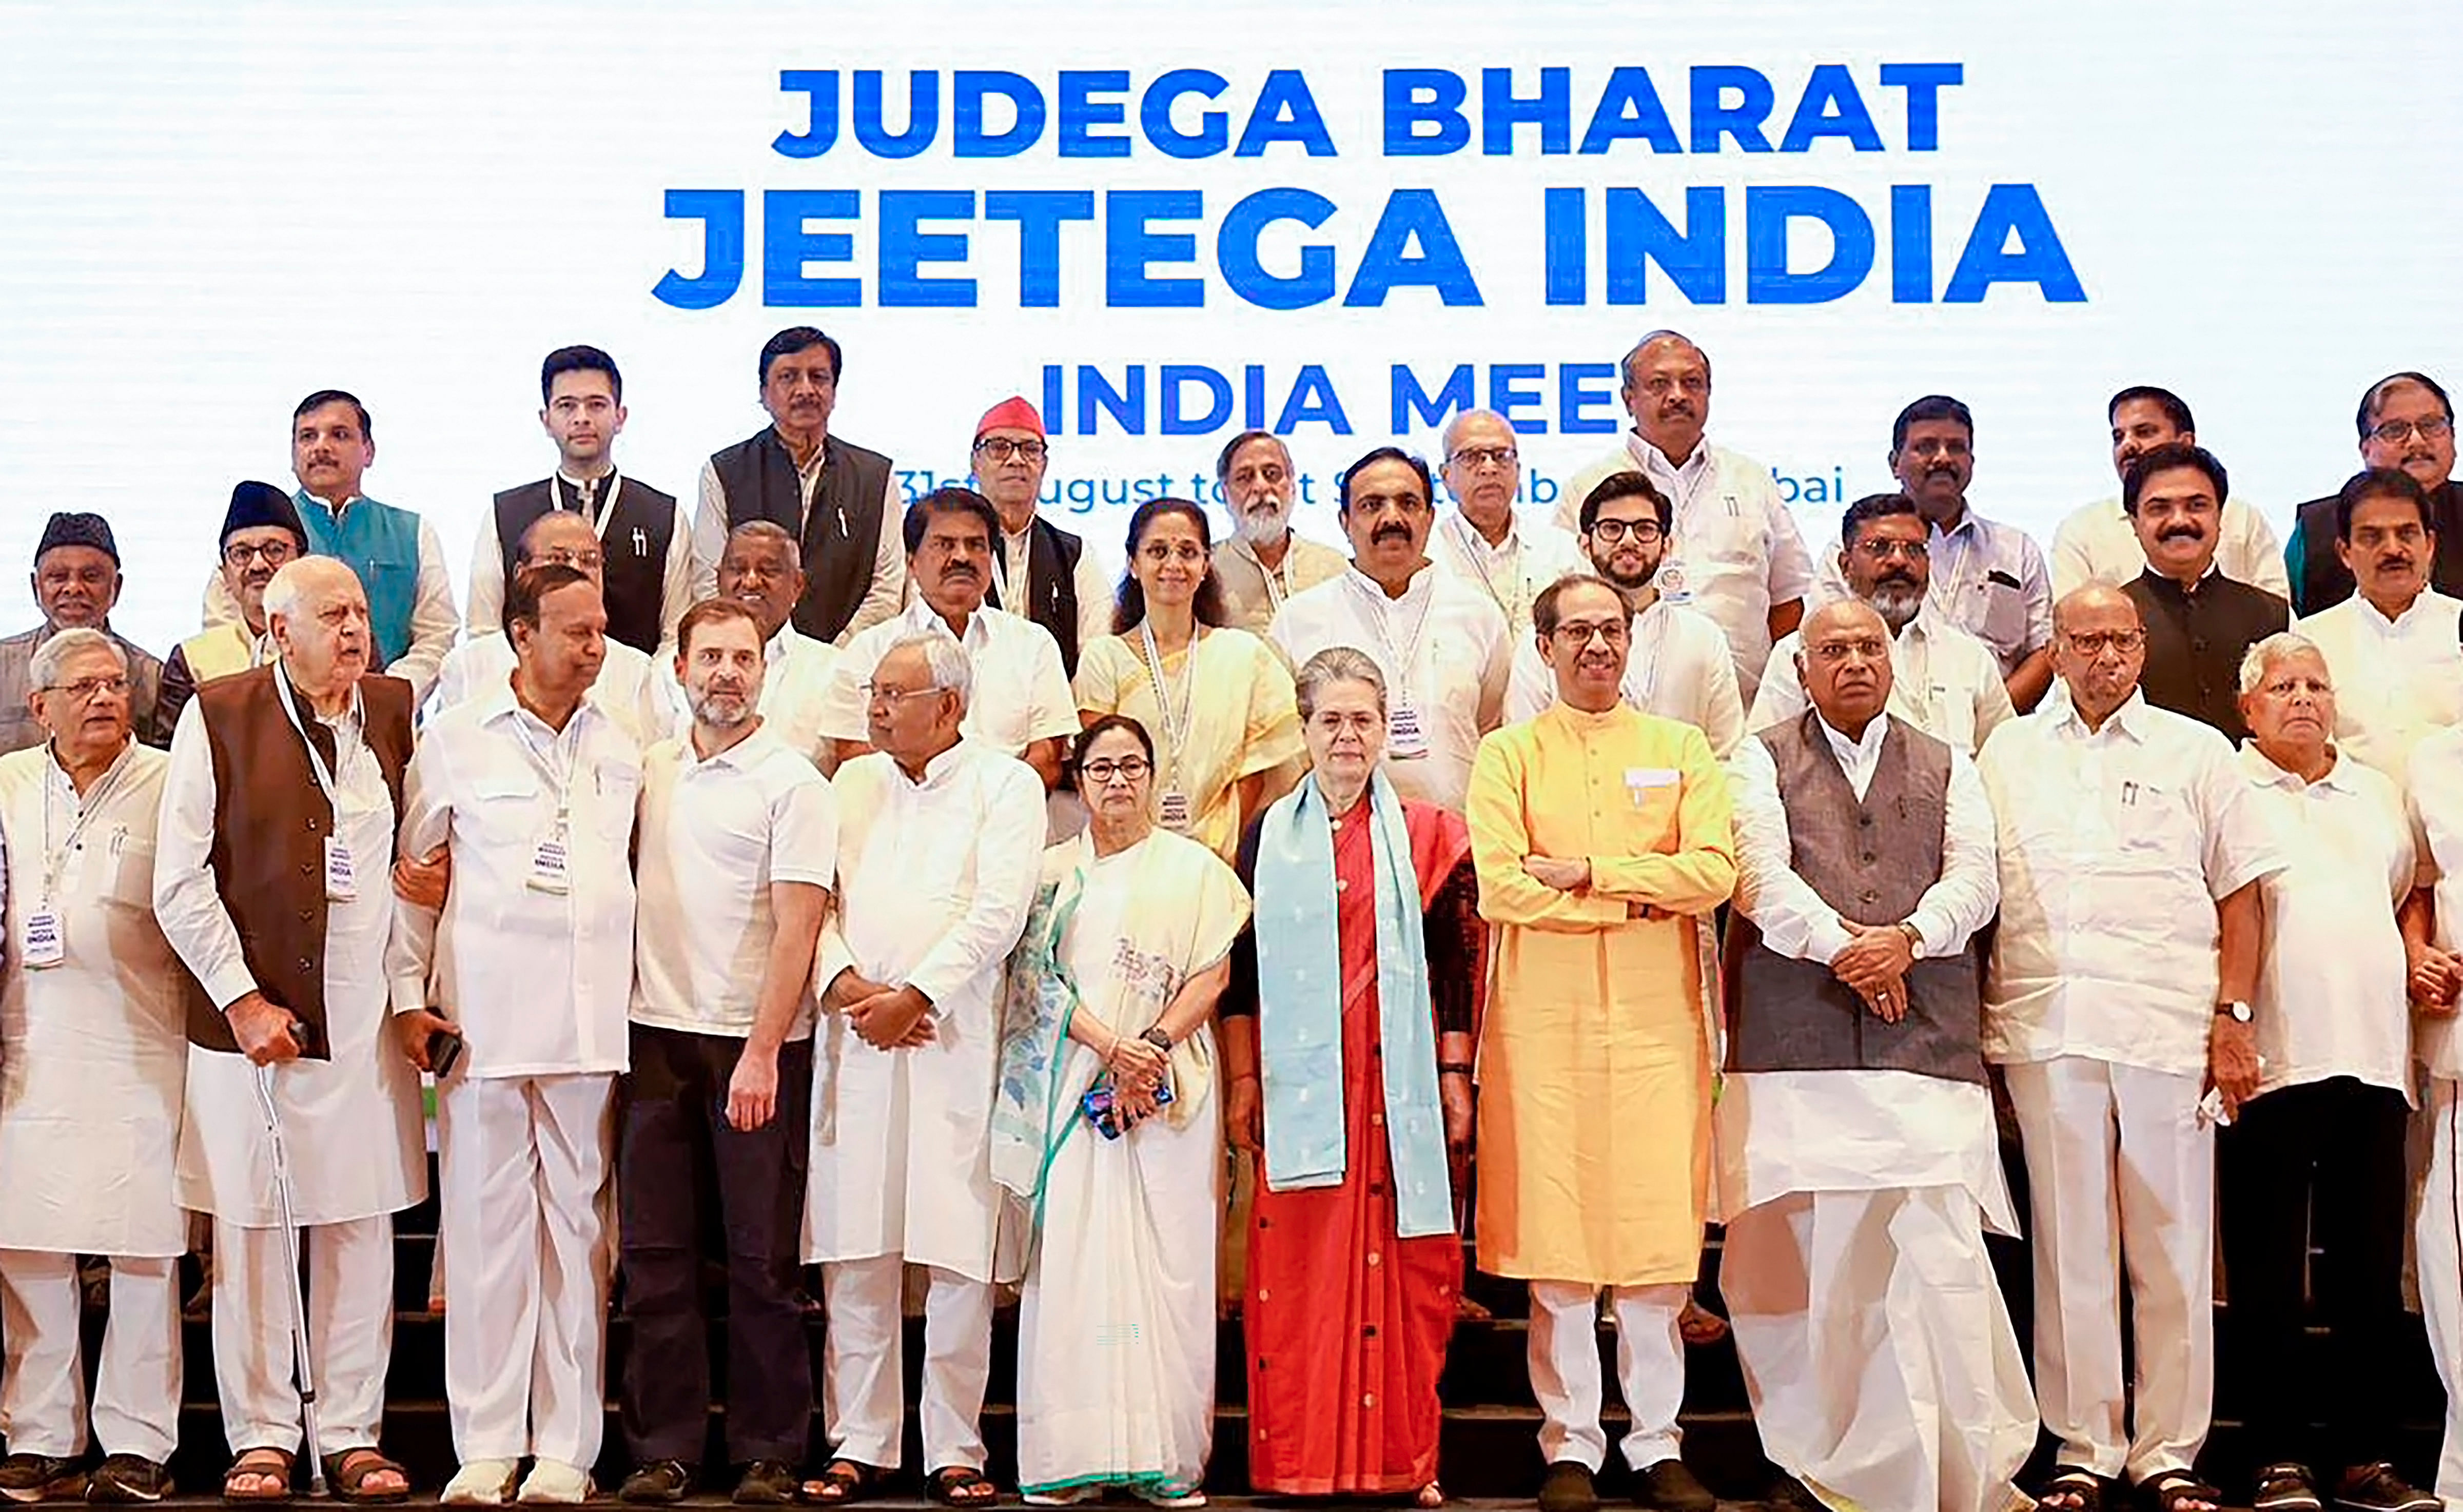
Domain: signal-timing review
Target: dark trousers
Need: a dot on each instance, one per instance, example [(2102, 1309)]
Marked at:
[(677, 1152), (2322, 1160)]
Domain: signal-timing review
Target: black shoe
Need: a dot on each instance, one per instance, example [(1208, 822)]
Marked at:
[(2377, 1488), (1788, 1494), (657, 1483), (128, 1478), (1567, 1488), (768, 1482), (2286, 1487), (40, 1477), (1669, 1488)]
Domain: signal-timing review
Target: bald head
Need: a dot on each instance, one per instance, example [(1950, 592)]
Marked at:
[(2096, 601), (1483, 470), (1668, 391), (563, 538), (2098, 649), (1844, 655), (318, 617)]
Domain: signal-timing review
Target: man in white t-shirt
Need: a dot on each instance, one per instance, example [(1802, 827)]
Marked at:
[(1736, 554)]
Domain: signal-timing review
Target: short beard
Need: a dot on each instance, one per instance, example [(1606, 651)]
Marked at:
[(706, 710), (1896, 603), (1263, 529)]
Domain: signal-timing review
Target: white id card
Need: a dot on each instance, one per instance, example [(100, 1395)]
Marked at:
[(1174, 813), (43, 945), (548, 865), (341, 877), (1405, 740)]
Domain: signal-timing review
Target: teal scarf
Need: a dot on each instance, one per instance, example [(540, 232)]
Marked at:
[(1300, 1008), (1038, 998), (381, 544)]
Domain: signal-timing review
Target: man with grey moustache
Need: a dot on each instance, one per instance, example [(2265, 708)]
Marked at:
[(1265, 561)]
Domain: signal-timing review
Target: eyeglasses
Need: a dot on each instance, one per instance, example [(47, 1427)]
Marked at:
[(83, 689), (579, 561), (875, 693), (2095, 642), (274, 552), (1001, 449), (1486, 456), (1830, 653), (1578, 633), (1128, 769), (1643, 532), (1883, 551), (2395, 432)]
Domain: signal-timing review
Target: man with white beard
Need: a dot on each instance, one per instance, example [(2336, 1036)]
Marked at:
[(1943, 681), (1264, 562)]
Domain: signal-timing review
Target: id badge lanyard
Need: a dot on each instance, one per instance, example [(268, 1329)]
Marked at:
[(550, 870), (45, 944), (1406, 738), (342, 876), (1175, 814)]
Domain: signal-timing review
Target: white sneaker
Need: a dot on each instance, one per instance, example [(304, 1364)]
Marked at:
[(482, 1483), (553, 1482)]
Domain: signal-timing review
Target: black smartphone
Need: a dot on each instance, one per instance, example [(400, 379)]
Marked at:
[(443, 1052)]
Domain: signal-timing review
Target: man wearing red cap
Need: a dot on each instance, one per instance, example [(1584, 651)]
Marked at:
[(1040, 572)]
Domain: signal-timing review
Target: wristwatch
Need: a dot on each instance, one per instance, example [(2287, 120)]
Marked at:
[(2236, 1010), (1915, 935), (1157, 1038)]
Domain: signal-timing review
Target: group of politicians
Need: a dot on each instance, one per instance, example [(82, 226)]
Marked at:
[(803, 876)]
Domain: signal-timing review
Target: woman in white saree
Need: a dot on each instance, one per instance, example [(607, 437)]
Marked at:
[(1109, 1131)]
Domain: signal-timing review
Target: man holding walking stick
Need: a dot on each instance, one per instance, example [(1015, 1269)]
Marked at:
[(302, 1121)]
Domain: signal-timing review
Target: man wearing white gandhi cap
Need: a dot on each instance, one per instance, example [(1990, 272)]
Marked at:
[(277, 838)]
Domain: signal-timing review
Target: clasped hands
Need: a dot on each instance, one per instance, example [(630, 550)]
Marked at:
[(1574, 875), (884, 1018), (1138, 1066), (2436, 981), (1874, 967)]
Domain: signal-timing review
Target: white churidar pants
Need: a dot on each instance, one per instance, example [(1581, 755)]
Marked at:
[(863, 1370), (1564, 1351), (2121, 1174), (522, 1165), (350, 1333), (1877, 1350), (137, 1385), (2437, 1236)]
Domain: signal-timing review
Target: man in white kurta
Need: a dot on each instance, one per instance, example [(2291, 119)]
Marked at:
[(1022, 703), (1858, 1164), (1483, 543), (1943, 681), (2433, 931), (2098, 542), (629, 690), (1737, 554), (1679, 667), (2119, 989), (1444, 648), (532, 788), (348, 1101), (939, 846), (2395, 647), (93, 1069)]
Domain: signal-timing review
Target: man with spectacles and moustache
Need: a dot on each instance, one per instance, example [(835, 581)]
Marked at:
[(1679, 667), (1943, 681), (261, 531), (1039, 572), (647, 569), (1482, 543), (2406, 421), (2199, 624), (1265, 561), (1444, 648), (2117, 998), (76, 582), (1736, 554)]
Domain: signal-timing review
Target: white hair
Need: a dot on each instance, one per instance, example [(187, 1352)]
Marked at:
[(944, 658), (53, 654), (2275, 648), (294, 582), (1330, 666)]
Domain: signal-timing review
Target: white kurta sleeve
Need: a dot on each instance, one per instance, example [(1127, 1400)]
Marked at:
[(708, 524), (1529, 689), (218, 607), (842, 714), (886, 594), (1008, 866), (1095, 590), (2248, 536), (2039, 584), (1495, 675), (1993, 705), (1780, 697), (186, 903), (485, 611), (1963, 901), (1723, 704), (1052, 707), (1790, 572), (2238, 846), (427, 819), (1794, 920), (433, 619), (688, 581)]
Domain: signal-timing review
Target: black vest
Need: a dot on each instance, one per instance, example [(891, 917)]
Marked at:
[(839, 535), (635, 544), (2195, 641), (2322, 580), (1052, 582)]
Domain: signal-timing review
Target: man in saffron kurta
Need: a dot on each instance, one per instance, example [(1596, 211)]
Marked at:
[(1601, 837)]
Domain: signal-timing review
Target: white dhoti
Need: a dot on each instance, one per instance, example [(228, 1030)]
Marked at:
[(2437, 1234), (1564, 1358), (1876, 1347), (2120, 1167), (137, 1386), (522, 1183), (864, 1370)]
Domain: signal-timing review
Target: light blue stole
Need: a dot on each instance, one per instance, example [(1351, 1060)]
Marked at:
[(1300, 1008), (1038, 998)]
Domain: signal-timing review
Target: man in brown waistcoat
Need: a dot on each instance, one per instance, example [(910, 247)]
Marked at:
[(1856, 1150), (841, 503), (271, 882)]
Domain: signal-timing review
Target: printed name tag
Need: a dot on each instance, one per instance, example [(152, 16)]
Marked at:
[(1175, 812), (547, 872), (1405, 740), (1651, 776), (43, 945), (341, 877)]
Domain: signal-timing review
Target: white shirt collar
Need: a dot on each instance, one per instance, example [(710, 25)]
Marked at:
[(2375, 618), (1855, 753), (2263, 769), (2125, 719), (922, 617), (1423, 579)]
